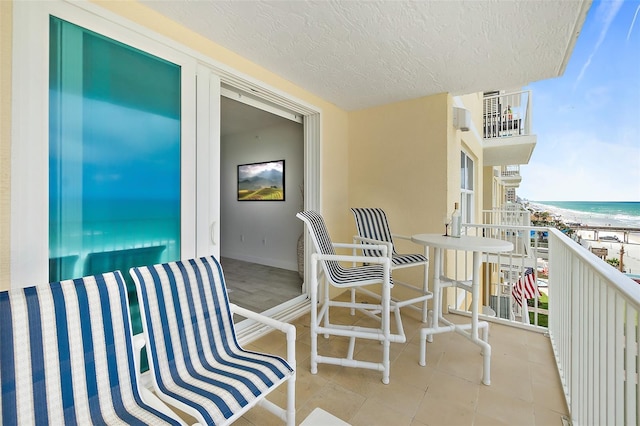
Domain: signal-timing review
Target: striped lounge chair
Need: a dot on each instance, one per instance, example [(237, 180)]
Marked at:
[(196, 362), (377, 272), (373, 228), (67, 357)]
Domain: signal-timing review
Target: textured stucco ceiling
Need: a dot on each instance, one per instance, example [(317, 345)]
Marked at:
[(358, 54)]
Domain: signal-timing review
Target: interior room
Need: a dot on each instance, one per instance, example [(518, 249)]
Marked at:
[(259, 239)]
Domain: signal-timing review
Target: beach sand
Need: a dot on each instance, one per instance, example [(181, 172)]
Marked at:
[(631, 257)]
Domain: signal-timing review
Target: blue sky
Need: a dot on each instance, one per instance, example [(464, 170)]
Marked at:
[(588, 120)]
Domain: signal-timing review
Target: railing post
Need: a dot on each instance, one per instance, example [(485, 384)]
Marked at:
[(528, 115)]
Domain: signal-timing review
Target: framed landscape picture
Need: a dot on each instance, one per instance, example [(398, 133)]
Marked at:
[(261, 181)]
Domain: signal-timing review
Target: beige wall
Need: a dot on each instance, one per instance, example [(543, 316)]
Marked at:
[(5, 139), (400, 159), (405, 158), (487, 173), (471, 142)]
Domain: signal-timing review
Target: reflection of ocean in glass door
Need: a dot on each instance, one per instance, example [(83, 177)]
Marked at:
[(114, 166), (114, 158), (138, 229)]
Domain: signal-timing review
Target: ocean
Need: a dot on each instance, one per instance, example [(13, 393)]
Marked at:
[(594, 213)]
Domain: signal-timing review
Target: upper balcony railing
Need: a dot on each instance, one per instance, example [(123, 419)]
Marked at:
[(589, 309), (507, 114), (510, 171), (511, 214)]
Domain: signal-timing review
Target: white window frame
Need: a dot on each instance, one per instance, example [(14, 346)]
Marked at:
[(467, 195), (30, 141)]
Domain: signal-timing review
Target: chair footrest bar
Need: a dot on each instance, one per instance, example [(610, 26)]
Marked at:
[(350, 363), (436, 330), (339, 304), (359, 332), (393, 303), (408, 302)]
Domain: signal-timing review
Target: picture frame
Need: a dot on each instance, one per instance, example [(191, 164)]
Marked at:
[(263, 181)]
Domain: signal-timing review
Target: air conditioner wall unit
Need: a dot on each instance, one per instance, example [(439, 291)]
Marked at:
[(461, 119)]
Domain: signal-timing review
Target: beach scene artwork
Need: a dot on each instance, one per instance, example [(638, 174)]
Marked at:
[(617, 223), (261, 181)]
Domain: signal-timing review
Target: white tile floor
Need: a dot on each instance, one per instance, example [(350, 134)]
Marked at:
[(525, 388)]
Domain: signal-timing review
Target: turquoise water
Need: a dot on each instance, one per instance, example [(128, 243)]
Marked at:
[(596, 213)]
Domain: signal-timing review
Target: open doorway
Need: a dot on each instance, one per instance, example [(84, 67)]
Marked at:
[(258, 239)]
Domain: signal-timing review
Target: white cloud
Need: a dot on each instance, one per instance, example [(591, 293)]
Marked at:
[(635, 15), (606, 13)]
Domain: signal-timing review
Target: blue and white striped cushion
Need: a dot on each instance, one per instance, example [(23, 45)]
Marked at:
[(372, 223), (406, 259), (195, 357), (337, 273), (67, 356)]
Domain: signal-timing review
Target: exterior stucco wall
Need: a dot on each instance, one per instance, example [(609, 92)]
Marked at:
[(400, 160), (471, 143), (405, 158)]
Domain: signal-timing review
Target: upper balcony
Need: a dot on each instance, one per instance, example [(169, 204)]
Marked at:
[(510, 176), (506, 129)]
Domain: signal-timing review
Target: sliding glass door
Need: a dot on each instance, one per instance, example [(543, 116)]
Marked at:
[(115, 147), (114, 157)]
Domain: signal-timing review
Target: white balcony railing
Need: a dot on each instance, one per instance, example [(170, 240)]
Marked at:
[(512, 214), (507, 114), (510, 171), (592, 317), (593, 324), (503, 271)]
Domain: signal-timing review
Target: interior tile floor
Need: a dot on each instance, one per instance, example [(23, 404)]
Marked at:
[(259, 287), (525, 388)]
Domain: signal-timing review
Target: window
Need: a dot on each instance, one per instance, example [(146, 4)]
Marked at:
[(466, 188), (114, 155)]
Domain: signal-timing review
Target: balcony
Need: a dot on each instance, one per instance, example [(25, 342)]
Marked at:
[(571, 351), (509, 176), (525, 388), (511, 214), (589, 310), (507, 134)]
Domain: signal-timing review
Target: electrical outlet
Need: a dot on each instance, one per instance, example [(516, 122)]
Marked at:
[(242, 238)]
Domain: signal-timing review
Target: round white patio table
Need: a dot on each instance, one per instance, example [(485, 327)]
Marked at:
[(478, 246)]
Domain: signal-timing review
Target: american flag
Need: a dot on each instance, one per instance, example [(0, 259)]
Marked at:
[(526, 286)]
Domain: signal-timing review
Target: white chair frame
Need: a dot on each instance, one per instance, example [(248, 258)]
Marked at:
[(378, 272), (398, 261), (196, 362)]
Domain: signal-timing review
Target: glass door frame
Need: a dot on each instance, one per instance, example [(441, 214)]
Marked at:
[(30, 138), (30, 126)]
